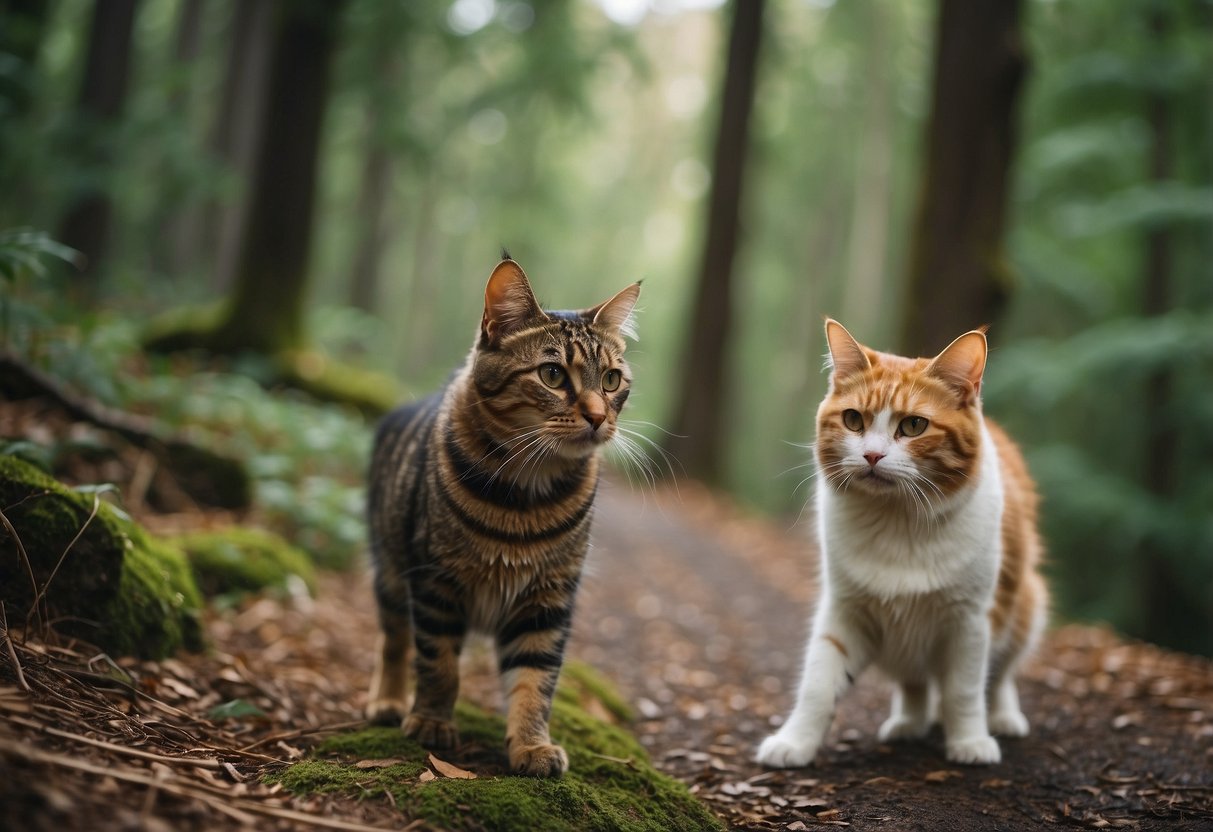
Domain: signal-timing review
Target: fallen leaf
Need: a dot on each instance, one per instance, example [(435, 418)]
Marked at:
[(235, 709), (450, 769), (384, 763), (995, 783), (427, 776), (941, 776), (796, 826)]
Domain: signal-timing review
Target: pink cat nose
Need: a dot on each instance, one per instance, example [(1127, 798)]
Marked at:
[(872, 457), (595, 419)]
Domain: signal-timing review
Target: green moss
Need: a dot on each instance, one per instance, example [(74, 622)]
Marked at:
[(372, 393), (210, 329), (611, 785), (238, 560), (116, 587), (584, 685)]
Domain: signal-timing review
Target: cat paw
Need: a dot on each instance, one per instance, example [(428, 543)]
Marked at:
[(386, 711), (430, 731), (981, 750), (543, 760), (1009, 724), (780, 751), (902, 727)]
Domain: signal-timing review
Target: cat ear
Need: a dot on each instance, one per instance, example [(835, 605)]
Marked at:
[(616, 313), (846, 356), (508, 303), (962, 363)]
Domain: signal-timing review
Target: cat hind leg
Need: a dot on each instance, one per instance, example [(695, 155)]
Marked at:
[(1006, 718), (911, 716)]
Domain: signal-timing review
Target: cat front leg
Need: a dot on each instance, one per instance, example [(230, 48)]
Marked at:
[(530, 654), (527, 741), (963, 701), (835, 656), (438, 633)]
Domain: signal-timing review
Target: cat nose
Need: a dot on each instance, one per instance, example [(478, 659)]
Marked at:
[(872, 457), (592, 414)]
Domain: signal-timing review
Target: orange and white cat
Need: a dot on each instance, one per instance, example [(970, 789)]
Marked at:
[(926, 520)]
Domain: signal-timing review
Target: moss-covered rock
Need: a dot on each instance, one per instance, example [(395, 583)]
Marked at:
[(237, 560), (113, 584), (210, 329), (610, 785)]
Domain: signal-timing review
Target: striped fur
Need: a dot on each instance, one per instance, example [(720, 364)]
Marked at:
[(480, 503), (927, 525)]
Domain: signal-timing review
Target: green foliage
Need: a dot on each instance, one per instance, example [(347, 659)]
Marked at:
[(611, 785), (306, 460), (1106, 388), (22, 253), (103, 577)]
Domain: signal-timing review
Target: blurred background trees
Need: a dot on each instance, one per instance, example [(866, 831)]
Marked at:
[(916, 167)]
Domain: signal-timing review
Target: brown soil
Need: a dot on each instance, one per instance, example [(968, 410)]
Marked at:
[(698, 614)]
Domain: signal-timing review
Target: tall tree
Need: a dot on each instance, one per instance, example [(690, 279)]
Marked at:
[(867, 251), (1168, 607), (264, 312), (958, 278), (237, 129), (104, 83), (699, 420)]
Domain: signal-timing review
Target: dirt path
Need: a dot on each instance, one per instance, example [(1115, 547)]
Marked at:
[(698, 614)]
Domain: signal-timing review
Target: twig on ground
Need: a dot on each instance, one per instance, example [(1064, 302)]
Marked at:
[(62, 557), (302, 732), (25, 561), (12, 653), (214, 797)]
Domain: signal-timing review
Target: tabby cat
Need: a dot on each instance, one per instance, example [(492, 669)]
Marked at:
[(926, 522), (480, 501)]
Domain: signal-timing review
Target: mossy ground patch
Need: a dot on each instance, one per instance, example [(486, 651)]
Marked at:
[(113, 583), (610, 785)]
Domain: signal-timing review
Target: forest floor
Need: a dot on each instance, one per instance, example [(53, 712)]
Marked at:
[(697, 613)]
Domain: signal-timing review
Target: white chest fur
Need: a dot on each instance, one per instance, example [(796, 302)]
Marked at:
[(904, 567)]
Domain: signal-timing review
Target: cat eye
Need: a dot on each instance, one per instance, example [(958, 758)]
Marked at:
[(611, 379), (853, 419), (552, 375), (912, 425)]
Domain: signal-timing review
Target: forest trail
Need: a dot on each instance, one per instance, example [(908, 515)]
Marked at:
[(697, 612)]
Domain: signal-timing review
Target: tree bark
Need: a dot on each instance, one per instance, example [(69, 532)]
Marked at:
[(266, 305), (863, 298), (180, 235), (1167, 611), (21, 38), (103, 88), (373, 201), (237, 130), (958, 278), (699, 421)]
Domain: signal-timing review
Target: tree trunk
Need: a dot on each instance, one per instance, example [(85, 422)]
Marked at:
[(266, 307), (372, 210), (1167, 611), (180, 234), (20, 38), (237, 129), (958, 278), (863, 298), (699, 422), (106, 76)]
